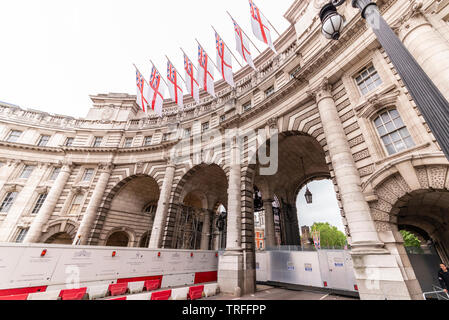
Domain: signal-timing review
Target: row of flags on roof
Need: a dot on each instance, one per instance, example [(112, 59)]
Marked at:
[(150, 95)]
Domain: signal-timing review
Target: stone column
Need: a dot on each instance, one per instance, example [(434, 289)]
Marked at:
[(378, 274), (89, 216), (47, 208), (230, 266), (363, 231), (270, 240), (206, 233), (162, 208), (426, 45)]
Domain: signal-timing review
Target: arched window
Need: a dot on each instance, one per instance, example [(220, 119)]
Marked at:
[(393, 132), (150, 209)]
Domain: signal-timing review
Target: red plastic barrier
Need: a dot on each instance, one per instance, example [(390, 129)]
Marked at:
[(161, 295), (138, 279), (195, 293), (118, 289), (117, 299), (205, 277), (16, 291), (151, 285), (23, 296), (73, 294)]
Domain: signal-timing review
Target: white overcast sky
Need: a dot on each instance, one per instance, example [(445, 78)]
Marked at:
[(54, 54)]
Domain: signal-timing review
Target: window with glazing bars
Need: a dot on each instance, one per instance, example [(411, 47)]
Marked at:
[(88, 174), (368, 79), (14, 135), (21, 235), (8, 201), (76, 204), (26, 172), (40, 201), (43, 140), (393, 132), (97, 142), (55, 174), (147, 141)]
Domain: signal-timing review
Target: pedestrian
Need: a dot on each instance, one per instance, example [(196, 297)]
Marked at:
[(443, 277)]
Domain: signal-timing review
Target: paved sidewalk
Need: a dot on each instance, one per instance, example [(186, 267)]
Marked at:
[(272, 293)]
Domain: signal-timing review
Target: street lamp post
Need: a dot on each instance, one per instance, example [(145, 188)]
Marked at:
[(433, 105)]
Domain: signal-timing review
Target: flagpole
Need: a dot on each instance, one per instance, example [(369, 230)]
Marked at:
[(159, 73), (175, 69), (227, 47), (208, 55), (246, 34), (188, 58)]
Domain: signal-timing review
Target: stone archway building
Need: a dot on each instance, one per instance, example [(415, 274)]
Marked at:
[(342, 100)]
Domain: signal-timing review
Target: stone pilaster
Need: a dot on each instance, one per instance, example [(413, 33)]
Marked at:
[(162, 208), (83, 234), (426, 45), (270, 240), (47, 208)]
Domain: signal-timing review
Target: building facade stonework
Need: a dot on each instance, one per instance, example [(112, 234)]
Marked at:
[(111, 178)]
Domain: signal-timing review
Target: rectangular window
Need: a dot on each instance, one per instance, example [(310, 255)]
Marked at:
[(97, 142), (88, 174), (166, 137), (76, 204), (269, 91), (14, 135), (8, 201), (205, 127), (69, 142), (187, 132), (21, 235), (393, 132), (43, 140), (40, 201), (147, 141), (247, 106), (26, 172), (128, 142), (368, 79), (55, 174)]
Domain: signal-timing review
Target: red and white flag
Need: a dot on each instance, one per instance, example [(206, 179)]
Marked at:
[(191, 83), (260, 26), (156, 98), (243, 45), (224, 60), (205, 72), (174, 85), (142, 91)]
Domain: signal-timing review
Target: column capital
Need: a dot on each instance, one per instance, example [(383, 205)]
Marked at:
[(66, 165), (13, 162), (105, 167), (410, 20), (321, 91)]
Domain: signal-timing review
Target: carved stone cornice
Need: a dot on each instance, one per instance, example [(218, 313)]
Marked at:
[(377, 101), (13, 187), (44, 189), (79, 190)]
